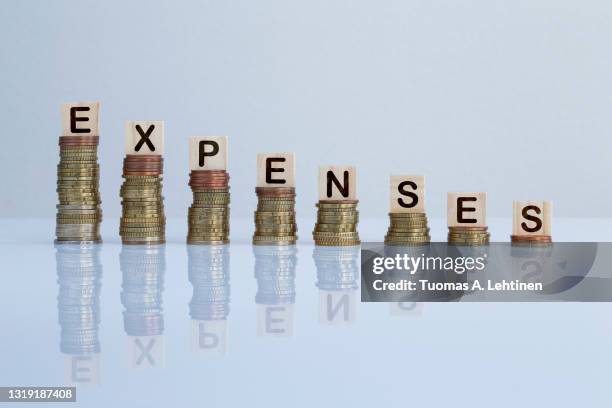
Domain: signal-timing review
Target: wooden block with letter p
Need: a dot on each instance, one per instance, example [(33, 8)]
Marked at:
[(208, 153), (81, 119), (467, 209), (407, 194), (337, 183), (276, 170), (144, 137), (532, 218)]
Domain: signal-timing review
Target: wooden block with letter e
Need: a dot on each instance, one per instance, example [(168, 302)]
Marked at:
[(337, 183), (467, 209), (208, 153), (532, 218), (81, 119), (276, 170), (407, 194), (144, 137)]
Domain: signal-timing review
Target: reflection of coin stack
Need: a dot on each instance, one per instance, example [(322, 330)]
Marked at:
[(337, 223), (275, 216), (142, 288), (79, 272), (275, 274), (337, 267), (468, 236), (407, 229), (209, 213), (143, 220), (78, 212), (209, 275)]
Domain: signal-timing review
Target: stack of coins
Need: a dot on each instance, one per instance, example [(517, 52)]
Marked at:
[(209, 276), (79, 273), (209, 214), (143, 220), (275, 274), (337, 223), (78, 212), (531, 240), (142, 288), (468, 236), (407, 229), (337, 267), (275, 216)]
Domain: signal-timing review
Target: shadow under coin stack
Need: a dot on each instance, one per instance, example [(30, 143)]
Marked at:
[(468, 236), (78, 212), (407, 229), (275, 274), (209, 275), (275, 216), (142, 220), (142, 289), (209, 214), (336, 223), (79, 272)]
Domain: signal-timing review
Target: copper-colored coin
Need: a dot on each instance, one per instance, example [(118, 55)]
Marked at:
[(338, 201), (78, 140), (142, 173), (521, 238), (143, 157)]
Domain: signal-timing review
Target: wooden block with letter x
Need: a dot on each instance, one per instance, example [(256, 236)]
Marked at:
[(144, 137)]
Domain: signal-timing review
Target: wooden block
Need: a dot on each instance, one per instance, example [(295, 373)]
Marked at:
[(144, 137), (208, 153), (467, 209), (407, 194), (532, 218), (276, 170), (81, 119), (337, 183)]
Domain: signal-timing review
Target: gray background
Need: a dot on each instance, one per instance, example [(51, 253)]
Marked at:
[(508, 97)]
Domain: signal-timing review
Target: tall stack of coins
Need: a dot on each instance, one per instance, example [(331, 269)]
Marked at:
[(143, 220), (78, 212), (209, 214), (336, 223), (275, 216), (407, 229), (468, 236)]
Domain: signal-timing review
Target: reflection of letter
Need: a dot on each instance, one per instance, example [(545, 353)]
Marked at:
[(461, 209), (203, 153), (343, 188), (530, 217), (332, 310), (74, 119), (207, 340), (81, 373), (145, 351), (402, 190), (407, 306), (271, 320), (270, 169)]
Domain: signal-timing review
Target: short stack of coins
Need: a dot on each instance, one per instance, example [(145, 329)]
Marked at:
[(142, 220), (407, 229), (78, 212), (336, 223), (468, 236), (275, 222), (535, 240), (208, 216), (79, 273)]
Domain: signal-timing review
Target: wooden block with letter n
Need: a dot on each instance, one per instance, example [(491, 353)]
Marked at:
[(531, 221), (407, 194), (144, 137), (337, 183), (81, 119)]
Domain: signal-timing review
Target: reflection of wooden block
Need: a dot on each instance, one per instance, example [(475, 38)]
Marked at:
[(144, 137), (467, 209), (337, 307), (532, 218), (208, 153), (209, 337), (81, 119), (337, 183), (275, 320), (276, 170), (407, 194)]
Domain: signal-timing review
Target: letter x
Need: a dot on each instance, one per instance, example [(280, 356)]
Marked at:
[(144, 138), (145, 352)]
